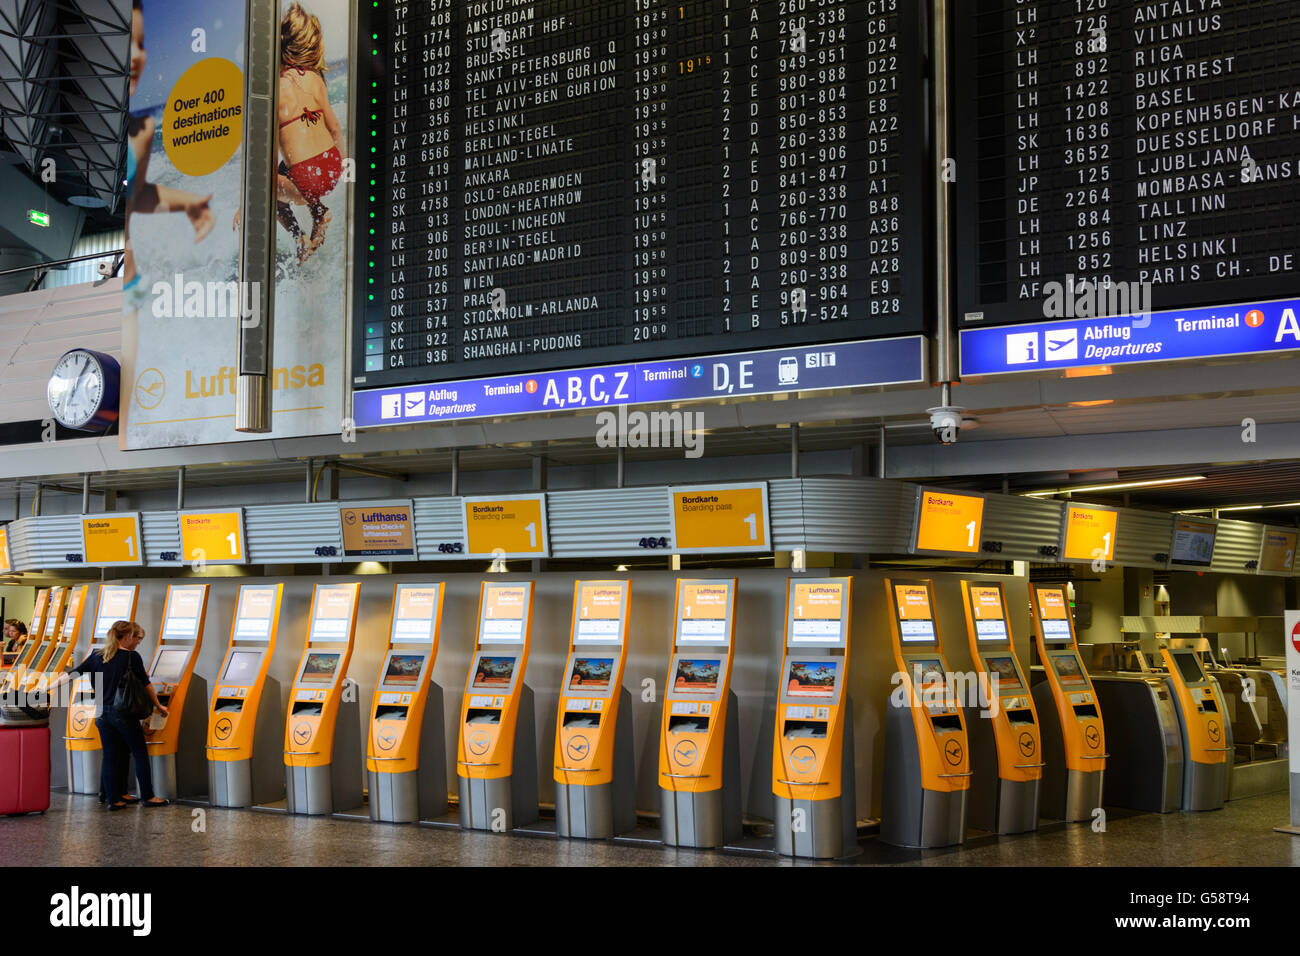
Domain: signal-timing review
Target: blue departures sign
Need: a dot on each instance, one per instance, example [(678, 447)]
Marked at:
[(877, 362), (1176, 335)]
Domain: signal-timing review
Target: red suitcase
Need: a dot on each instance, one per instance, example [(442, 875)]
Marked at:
[(24, 769)]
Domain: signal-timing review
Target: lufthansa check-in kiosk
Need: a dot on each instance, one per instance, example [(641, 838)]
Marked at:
[(699, 744), (117, 602), (322, 735), (48, 644), (812, 759), (927, 758), (1201, 724), (245, 722), (406, 757), (1006, 749), (594, 765), (12, 659), (58, 662), (1074, 740), (496, 756), (40, 639), (175, 742)]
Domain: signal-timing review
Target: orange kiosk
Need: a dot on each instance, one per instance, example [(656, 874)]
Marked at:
[(812, 759), (14, 677), (117, 602), (36, 662), (1203, 725), (246, 718), (1006, 748), (595, 772), (59, 660), (496, 754), (11, 658), (1074, 740), (927, 757), (406, 757), (175, 742), (324, 723), (699, 741)]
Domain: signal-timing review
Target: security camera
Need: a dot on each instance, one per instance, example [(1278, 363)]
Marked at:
[(946, 423), (106, 269)]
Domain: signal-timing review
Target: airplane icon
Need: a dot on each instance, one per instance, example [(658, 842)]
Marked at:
[(1062, 345)]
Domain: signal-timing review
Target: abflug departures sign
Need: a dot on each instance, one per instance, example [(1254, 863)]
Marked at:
[(1152, 142), (560, 184)]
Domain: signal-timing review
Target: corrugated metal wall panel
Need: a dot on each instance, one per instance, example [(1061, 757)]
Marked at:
[(1236, 543), (1141, 534), (45, 542), (858, 515), (78, 273), (1023, 525), (161, 533), (290, 534), (437, 521), (608, 522), (785, 508)]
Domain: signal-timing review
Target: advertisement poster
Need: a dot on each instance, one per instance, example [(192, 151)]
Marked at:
[(182, 304), (387, 531)]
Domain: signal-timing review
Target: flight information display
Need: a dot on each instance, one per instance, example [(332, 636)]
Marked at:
[(1117, 157), (576, 182)]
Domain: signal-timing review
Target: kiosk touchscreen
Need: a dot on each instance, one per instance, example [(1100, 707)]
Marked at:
[(37, 644), (175, 742), (49, 641), (245, 719), (322, 735), (117, 602), (594, 764), (1074, 740), (496, 752), (1006, 750), (11, 659), (927, 757), (699, 743), (1204, 729), (812, 759), (406, 755)]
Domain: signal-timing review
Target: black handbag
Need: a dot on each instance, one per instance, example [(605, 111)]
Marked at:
[(132, 701)]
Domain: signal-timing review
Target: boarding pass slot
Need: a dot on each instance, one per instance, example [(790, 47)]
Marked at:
[(475, 716), (579, 720), (307, 708), (226, 705), (1208, 706), (390, 712), (804, 729), (1017, 717), (688, 724), (1085, 711), (946, 722)]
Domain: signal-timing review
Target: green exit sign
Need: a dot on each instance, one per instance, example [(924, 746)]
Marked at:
[(38, 218)]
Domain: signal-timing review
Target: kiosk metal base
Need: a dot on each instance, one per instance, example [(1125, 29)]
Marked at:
[(912, 816), (503, 803), (184, 774), (337, 784), (258, 779), (1083, 789), (83, 770), (710, 818), (1017, 806), (1069, 795), (602, 811), (1145, 768), (59, 776), (419, 794), (1204, 785), (822, 829)]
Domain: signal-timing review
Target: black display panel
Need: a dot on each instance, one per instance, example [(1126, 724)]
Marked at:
[(1134, 142), (638, 178)]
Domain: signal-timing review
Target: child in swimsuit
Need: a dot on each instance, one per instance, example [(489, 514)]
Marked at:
[(311, 138)]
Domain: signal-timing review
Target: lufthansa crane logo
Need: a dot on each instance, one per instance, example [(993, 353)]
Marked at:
[(79, 721), (478, 743), (223, 728), (686, 752), (578, 748), (1092, 737), (302, 733), (952, 752), (1212, 727), (387, 739), (1027, 744), (803, 759)]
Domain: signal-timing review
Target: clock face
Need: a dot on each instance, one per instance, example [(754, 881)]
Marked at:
[(76, 389)]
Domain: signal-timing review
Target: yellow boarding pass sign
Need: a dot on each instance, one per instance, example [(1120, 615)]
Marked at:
[(949, 523), (1089, 533), (6, 565), (721, 518), (213, 537), (507, 527), (111, 540)]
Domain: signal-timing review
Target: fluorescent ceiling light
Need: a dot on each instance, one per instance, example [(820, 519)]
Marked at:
[(1284, 504), (1118, 486)]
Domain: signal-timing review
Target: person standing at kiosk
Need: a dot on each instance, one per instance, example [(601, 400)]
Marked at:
[(699, 742), (812, 759), (594, 765), (1074, 740), (323, 727), (245, 720), (927, 757), (83, 748), (179, 770), (406, 757), (1006, 752), (496, 755)]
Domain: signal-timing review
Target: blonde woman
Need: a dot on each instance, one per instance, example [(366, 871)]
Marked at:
[(121, 737)]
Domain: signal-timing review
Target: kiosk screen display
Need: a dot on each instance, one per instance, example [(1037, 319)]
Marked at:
[(242, 667), (1056, 630), (916, 630), (170, 665), (40, 652), (812, 679), (591, 673), (1193, 542), (1004, 669), (695, 675), (494, 673), (1188, 666), (991, 630), (915, 619), (1068, 668), (403, 669), (318, 668), (928, 672)]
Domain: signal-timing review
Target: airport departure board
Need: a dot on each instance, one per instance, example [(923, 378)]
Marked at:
[(573, 182), (1135, 142)]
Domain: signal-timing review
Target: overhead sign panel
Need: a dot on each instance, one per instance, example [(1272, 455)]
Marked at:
[(381, 530), (111, 540), (721, 518), (948, 523), (1089, 533), (510, 526)]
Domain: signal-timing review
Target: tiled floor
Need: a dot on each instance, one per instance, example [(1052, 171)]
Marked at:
[(77, 832)]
